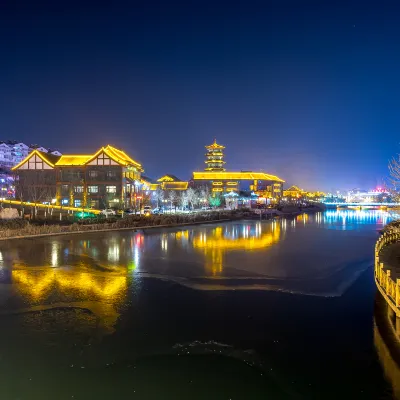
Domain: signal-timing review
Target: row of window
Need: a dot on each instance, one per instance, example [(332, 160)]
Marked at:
[(90, 189), (92, 174)]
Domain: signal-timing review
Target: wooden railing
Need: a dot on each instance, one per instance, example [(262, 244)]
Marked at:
[(387, 284)]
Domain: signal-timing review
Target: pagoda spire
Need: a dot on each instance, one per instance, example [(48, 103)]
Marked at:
[(215, 157)]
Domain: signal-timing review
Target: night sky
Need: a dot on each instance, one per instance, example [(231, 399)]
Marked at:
[(309, 91)]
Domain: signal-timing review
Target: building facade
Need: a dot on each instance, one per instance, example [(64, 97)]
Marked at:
[(107, 178), (13, 152), (215, 157), (220, 182)]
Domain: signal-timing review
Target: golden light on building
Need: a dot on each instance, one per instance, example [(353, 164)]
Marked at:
[(233, 176), (215, 157)]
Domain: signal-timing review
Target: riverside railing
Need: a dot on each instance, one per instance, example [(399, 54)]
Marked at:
[(387, 284)]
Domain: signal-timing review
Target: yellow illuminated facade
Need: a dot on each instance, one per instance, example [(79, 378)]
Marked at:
[(168, 182), (293, 191), (296, 192), (262, 184), (215, 157), (107, 178)]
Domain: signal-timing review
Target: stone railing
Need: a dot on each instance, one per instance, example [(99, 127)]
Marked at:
[(387, 284)]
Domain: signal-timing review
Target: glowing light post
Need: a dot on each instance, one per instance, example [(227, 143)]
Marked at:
[(140, 207)]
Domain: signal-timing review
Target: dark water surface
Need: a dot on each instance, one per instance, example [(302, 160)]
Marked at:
[(283, 309)]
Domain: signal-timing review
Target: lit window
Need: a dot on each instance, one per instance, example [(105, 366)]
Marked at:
[(77, 203), (93, 174), (78, 189), (111, 174), (217, 183), (64, 201), (111, 189), (93, 189)]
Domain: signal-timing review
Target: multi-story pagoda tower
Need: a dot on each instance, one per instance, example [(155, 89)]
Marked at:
[(215, 157)]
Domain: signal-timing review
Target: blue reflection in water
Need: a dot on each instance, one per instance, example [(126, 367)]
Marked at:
[(353, 219)]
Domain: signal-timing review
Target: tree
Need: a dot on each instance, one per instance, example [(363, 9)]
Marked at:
[(191, 197), (36, 186), (158, 196), (394, 171), (215, 201), (183, 200), (394, 179), (172, 197)]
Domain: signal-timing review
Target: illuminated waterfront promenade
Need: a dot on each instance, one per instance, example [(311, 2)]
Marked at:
[(387, 277)]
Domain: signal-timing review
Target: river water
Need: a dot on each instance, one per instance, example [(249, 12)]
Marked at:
[(283, 309)]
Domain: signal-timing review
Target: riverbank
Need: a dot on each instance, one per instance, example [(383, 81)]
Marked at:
[(20, 229)]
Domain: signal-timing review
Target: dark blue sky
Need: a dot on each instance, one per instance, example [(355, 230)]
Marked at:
[(307, 90)]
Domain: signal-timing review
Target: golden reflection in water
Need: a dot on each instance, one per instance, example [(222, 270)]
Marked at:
[(222, 240), (389, 365), (36, 285)]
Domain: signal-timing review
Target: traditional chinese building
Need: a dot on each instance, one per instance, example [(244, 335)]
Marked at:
[(166, 182), (221, 181), (215, 157), (294, 191), (106, 178)]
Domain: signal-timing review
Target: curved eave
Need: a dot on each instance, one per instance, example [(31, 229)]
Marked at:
[(124, 161), (29, 156), (121, 156), (214, 146)]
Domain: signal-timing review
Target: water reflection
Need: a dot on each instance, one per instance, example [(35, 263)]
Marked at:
[(387, 342), (37, 286), (350, 216), (295, 251), (215, 243)]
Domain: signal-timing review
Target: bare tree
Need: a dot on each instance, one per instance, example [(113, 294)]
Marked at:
[(172, 197), (394, 179), (36, 186), (191, 197), (158, 195), (394, 171), (183, 199)]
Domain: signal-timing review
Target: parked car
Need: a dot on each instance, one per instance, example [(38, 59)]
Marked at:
[(129, 211), (147, 210), (108, 212), (158, 211)]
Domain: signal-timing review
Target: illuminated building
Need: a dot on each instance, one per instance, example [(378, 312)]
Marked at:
[(377, 195), (294, 191), (171, 182), (13, 152), (220, 181), (215, 157), (166, 182), (106, 178)]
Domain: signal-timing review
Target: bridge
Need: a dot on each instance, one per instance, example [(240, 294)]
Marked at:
[(370, 204)]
